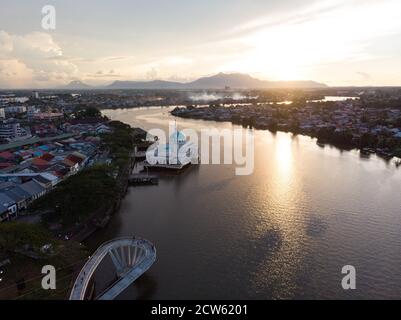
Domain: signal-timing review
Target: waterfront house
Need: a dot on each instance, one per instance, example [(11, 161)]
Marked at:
[(22, 204), (18, 196), (34, 189), (8, 207), (3, 213)]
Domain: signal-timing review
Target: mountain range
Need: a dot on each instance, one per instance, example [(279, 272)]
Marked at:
[(218, 81), (76, 85)]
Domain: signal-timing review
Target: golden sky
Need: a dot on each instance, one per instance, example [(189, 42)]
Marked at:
[(338, 42)]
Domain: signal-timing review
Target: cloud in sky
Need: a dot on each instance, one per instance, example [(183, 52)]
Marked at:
[(294, 45), (327, 40), (32, 58)]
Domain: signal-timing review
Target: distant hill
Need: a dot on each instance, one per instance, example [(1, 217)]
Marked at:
[(155, 84), (75, 85), (233, 80), (218, 81)]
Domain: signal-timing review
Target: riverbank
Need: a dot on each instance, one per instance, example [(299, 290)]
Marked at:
[(85, 202), (101, 219), (343, 124)]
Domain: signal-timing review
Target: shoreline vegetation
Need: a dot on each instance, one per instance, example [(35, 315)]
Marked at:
[(69, 214), (345, 125), (73, 216)]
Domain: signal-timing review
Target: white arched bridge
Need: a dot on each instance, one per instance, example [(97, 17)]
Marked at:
[(131, 258)]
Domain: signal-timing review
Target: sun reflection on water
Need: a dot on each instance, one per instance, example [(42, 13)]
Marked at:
[(282, 200), (283, 156)]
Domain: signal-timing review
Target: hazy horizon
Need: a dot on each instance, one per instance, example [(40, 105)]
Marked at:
[(335, 42)]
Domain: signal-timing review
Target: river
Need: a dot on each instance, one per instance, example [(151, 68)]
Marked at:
[(284, 232)]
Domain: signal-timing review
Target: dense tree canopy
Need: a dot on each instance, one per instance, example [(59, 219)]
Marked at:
[(87, 112), (77, 197), (15, 235)]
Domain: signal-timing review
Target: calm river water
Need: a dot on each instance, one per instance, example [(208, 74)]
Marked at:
[(284, 232)]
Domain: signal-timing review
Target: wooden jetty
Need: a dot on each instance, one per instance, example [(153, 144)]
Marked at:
[(165, 167), (142, 179)]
